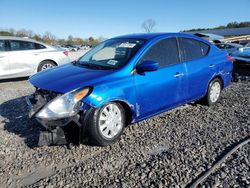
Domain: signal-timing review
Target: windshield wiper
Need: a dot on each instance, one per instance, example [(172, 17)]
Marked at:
[(88, 65), (94, 66)]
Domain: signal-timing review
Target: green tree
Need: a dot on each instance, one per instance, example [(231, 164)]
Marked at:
[(37, 38), (233, 25), (61, 41), (244, 24), (229, 25), (22, 33), (49, 38), (148, 25), (78, 41), (92, 41), (5, 33), (70, 40)]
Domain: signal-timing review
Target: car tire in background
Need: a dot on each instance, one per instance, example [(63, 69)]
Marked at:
[(213, 92), (45, 65), (105, 125)]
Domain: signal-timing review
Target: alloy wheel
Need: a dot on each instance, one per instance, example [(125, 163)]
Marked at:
[(47, 66)]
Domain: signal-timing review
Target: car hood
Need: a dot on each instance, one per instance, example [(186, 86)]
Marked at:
[(66, 78)]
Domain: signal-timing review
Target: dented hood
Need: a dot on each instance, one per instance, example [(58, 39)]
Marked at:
[(66, 78)]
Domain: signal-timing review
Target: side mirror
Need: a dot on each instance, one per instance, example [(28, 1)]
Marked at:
[(147, 66)]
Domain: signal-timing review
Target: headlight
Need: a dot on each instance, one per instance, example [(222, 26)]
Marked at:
[(63, 106)]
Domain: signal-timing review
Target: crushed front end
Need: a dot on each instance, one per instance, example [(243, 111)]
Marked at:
[(57, 112), (241, 70)]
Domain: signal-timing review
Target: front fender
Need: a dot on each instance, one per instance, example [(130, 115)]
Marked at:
[(120, 90)]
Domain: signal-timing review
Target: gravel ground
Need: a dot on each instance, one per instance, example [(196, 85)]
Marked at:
[(171, 149)]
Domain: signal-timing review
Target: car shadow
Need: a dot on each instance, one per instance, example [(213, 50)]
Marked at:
[(14, 116), (14, 79), (15, 119)]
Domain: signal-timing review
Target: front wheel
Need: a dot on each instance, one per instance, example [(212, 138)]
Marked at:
[(214, 92), (104, 126)]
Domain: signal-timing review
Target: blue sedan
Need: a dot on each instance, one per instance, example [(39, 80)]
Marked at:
[(127, 79)]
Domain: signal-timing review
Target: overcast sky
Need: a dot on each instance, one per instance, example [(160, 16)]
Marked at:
[(114, 17)]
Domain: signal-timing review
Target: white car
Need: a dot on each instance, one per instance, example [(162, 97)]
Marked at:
[(63, 48), (21, 57)]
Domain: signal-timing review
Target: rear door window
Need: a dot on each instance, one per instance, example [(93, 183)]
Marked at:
[(194, 49), (2, 45), (164, 52), (16, 45)]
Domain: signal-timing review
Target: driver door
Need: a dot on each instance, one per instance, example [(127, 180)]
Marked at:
[(164, 88)]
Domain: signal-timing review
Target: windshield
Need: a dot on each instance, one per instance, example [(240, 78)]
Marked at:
[(111, 54)]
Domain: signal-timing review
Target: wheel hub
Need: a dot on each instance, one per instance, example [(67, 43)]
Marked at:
[(47, 66), (110, 121), (215, 91)]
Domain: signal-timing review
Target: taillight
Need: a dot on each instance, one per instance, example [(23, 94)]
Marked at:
[(66, 53), (230, 58)]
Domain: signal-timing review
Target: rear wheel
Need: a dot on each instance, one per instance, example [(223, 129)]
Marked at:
[(46, 65), (214, 92), (104, 126)]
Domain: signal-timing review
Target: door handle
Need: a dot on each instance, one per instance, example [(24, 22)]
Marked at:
[(212, 66), (36, 54), (177, 75)]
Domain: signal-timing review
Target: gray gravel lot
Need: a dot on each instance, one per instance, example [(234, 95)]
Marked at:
[(171, 149)]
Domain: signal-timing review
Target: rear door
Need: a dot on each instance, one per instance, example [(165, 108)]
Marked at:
[(164, 88), (4, 60), (200, 68), (23, 58)]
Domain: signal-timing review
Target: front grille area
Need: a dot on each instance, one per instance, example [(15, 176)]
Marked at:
[(45, 94), (40, 98)]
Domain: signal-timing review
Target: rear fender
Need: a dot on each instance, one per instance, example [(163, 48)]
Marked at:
[(224, 77)]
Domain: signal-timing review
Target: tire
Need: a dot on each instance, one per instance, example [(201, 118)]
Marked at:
[(213, 92), (98, 132), (45, 65)]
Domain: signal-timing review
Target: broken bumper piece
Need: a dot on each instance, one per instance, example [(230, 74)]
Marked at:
[(52, 137), (35, 104), (54, 133)]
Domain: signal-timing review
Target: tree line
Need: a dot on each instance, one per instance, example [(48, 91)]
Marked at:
[(147, 26), (228, 26), (49, 38)]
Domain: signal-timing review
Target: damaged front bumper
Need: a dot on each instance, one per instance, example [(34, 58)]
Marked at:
[(241, 70), (38, 100), (54, 133)]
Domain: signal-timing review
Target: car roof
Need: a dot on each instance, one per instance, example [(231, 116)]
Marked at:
[(149, 36), (20, 38)]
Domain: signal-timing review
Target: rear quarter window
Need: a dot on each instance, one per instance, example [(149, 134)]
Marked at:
[(194, 49), (39, 46)]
